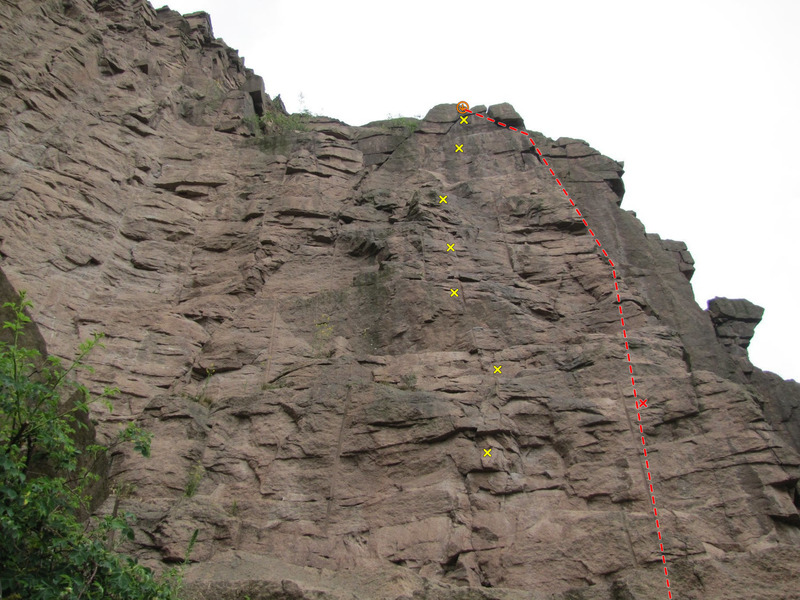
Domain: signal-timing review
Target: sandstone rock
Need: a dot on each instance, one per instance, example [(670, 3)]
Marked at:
[(279, 313), (505, 113), (735, 323), (680, 252)]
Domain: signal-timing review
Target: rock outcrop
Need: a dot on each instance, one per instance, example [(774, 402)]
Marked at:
[(277, 298), (735, 322)]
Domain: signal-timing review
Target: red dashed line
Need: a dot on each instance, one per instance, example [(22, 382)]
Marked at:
[(643, 403)]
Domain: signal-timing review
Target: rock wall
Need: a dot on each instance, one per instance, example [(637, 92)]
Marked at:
[(278, 310)]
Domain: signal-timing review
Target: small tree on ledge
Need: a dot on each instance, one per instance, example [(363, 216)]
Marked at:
[(46, 550)]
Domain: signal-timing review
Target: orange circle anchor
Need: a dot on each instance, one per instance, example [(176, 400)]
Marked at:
[(462, 107)]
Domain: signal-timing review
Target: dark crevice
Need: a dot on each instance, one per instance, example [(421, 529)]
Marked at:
[(617, 186), (794, 494), (258, 103)]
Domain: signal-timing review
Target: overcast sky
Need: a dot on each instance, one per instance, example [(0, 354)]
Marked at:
[(700, 99)]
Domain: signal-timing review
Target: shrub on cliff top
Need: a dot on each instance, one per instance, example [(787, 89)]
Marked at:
[(46, 552)]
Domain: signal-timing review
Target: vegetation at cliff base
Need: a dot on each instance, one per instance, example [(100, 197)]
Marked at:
[(46, 550)]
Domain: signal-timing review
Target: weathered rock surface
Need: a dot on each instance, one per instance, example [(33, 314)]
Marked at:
[(279, 314), (735, 322)]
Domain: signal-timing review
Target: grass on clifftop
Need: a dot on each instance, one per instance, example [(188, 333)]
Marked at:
[(277, 121), (274, 130), (408, 124)]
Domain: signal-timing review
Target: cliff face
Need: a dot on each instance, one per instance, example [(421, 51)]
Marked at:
[(280, 314)]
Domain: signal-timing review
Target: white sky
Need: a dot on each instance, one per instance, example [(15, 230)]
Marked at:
[(700, 99)]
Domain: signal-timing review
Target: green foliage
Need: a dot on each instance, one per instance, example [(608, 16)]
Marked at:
[(139, 437), (407, 123), (276, 132), (190, 547), (254, 122), (195, 476), (46, 552), (281, 123)]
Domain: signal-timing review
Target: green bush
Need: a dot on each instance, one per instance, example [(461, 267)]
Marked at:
[(391, 124), (407, 123), (46, 551), (277, 121), (195, 476), (276, 132)]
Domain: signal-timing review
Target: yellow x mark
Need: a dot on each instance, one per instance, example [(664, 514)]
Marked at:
[(442, 199), (464, 120), (497, 368), (459, 147), (450, 247), (454, 292), (487, 452)]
